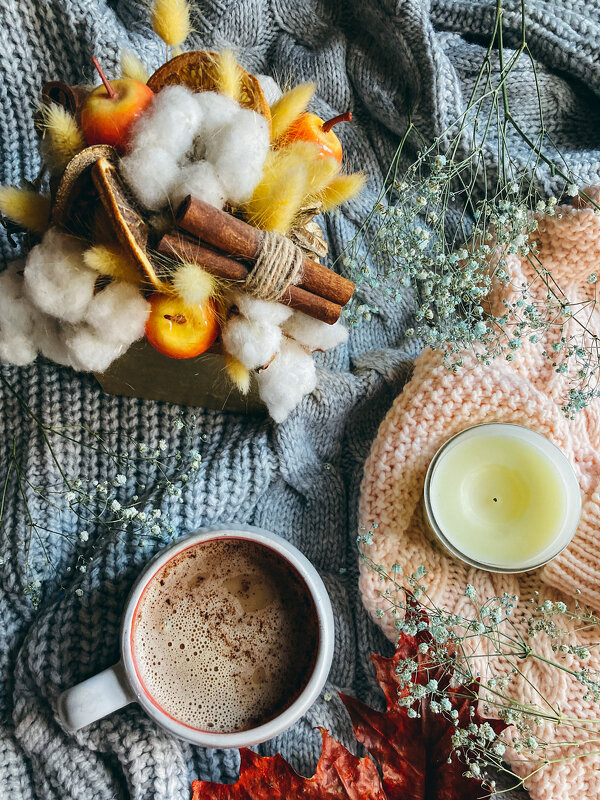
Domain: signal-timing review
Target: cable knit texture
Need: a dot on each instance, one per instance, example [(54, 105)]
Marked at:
[(300, 479), (435, 405)]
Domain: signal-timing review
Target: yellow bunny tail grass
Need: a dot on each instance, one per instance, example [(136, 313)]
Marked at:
[(229, 78), (289, 107), (132, 66), (63, 138), (193, 284), (321, 171), (111, 261), (25, 207), (239, 375), (341, 189), (171, 21), (278, 198)]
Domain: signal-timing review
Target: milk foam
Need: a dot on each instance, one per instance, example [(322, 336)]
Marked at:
[(225, 636)]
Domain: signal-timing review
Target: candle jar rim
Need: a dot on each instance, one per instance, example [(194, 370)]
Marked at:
[(430, 522)]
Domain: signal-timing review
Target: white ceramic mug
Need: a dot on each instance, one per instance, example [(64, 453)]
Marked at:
[(120, 685)]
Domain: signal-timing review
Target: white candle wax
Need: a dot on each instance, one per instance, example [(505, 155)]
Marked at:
[(502, 497)]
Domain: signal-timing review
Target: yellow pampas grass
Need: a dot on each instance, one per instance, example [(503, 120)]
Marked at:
[(171, 21), (229, 77), (133, 67), (239, 375), (193, 284), (341, 189), (110, 260), (289, 107), (25, 207), (280, 194), (63, 138)]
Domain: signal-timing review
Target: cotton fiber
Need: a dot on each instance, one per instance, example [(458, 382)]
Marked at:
[(200, 180), (313, 333), (152, 173), (238, 154), (251, 342), (290, 376), (50, 337), (217, 111), (171, 123), (16, 347), (90, 350), (56, 278), (263, 310), (17, 318), (119, 313)]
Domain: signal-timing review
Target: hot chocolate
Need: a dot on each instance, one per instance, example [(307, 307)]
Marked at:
[(225, 635)]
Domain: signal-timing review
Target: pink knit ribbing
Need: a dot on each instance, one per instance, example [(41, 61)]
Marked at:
[(435, 405)]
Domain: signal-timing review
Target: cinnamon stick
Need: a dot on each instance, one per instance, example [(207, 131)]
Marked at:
[(236, 237), (222, 266)]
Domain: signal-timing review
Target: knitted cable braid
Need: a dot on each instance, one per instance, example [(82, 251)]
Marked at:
[(382, 59), (436, 404)]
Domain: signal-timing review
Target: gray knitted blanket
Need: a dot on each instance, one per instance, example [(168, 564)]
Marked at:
[(300, 479)]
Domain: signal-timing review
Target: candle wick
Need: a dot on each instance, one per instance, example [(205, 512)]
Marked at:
[(495, 499)]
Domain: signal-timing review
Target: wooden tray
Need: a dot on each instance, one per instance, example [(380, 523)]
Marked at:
[(200, 382)]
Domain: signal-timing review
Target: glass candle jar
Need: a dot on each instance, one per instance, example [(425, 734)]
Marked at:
[(502, 498)]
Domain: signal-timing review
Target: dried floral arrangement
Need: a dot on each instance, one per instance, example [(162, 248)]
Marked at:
[(181, 209)]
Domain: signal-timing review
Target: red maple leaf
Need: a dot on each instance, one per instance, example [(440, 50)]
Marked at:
[(415, 754)]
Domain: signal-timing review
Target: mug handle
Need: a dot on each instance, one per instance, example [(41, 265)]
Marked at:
[(94, 698)]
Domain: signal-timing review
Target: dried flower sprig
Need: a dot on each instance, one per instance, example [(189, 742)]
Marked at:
[(117, 506), (449, 227)]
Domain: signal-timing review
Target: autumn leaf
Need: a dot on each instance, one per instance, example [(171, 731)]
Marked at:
[(414, 753), (339, 775)]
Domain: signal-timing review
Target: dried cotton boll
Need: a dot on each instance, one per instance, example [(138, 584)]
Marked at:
[(251, 342), (91, 350), (56, 279), (313, 333), (201, 180), (239, 153), (171, 123), (217, 112), (151, 173), (119, 313), (17, 316), (289, 377), (270, 88), (193, 284), (261, 310), (50, 338), (17, 348), (16, 311)]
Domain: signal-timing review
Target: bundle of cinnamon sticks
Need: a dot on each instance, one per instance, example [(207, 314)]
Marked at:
[(227, 247)]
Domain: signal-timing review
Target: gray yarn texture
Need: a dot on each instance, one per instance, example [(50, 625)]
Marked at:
[(300, 479)]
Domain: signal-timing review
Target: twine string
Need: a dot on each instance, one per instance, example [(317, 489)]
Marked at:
[(278, 266)]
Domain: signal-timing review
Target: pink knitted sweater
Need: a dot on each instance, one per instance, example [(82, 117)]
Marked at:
[(437, 404)]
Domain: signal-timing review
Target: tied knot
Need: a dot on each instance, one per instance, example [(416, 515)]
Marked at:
[(278, 266)]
